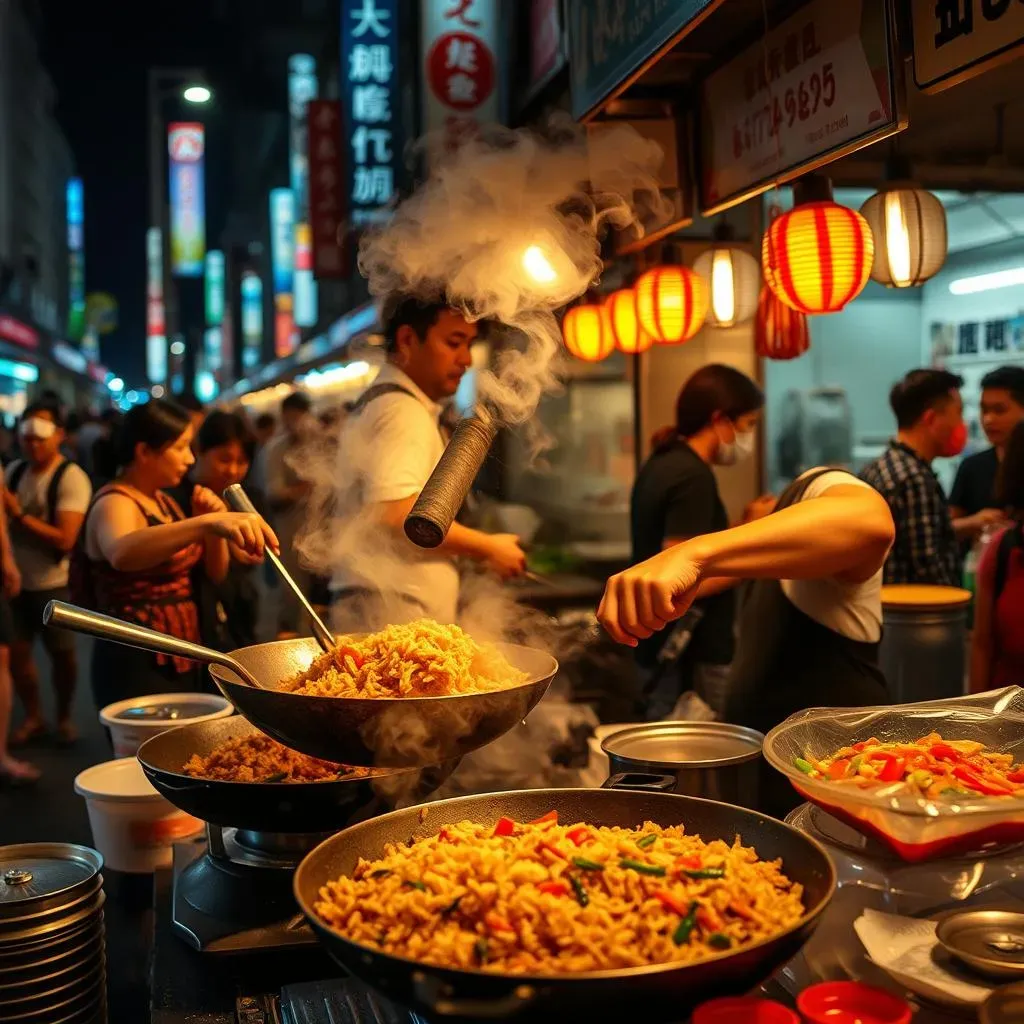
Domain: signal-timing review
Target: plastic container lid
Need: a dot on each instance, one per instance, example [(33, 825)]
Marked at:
[(921, 596), (120, 781), (743, 1010), (685, 744), (157, 708), (852, 1002), (31, 872)]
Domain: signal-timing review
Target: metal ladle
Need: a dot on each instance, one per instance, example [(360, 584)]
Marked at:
[(239, 501), (105, 627)]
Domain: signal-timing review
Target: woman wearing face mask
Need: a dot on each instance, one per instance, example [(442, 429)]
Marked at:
[(228, 607), (676, 498)]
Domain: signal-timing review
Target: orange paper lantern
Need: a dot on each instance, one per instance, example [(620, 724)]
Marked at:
[(629, 336), (780, 332), (817, 257), (671, 303), (587, 333)]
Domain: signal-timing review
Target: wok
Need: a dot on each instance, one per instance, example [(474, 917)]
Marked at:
[(665, 992), (382, 732), (273, 806)]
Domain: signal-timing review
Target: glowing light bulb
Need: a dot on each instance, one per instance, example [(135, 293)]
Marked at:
[(197, 94), (538, 266), (897, 240), (723, 288)]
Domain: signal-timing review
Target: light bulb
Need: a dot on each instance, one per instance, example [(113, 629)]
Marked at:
[(538, 266), (723, 288), (897, 240)]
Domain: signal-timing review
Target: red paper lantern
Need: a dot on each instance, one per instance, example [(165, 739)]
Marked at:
[(587, 333), (818, 256), (629, 336), (780, 332), (671, 303)]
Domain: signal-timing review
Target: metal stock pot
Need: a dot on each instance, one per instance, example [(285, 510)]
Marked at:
[(713, 760)]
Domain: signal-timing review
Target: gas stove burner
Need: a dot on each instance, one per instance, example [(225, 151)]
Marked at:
[(232, 893)]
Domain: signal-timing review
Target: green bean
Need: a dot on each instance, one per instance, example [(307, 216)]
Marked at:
[(415, 885), (646, 841), (706, 873), (581, 894), (641, 868), (686, 926), (719, 941), (805, 766), (587, 865)]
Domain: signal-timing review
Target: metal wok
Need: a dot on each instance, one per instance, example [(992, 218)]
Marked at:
[(665, 992), (382, 732), (274, 806)]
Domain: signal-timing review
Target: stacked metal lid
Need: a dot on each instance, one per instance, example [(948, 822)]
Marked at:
[(52, 950)]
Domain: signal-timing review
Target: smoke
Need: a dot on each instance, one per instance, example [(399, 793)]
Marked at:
[(509, 228)]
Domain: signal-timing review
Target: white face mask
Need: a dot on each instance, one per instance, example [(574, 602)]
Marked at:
[(731, 452)]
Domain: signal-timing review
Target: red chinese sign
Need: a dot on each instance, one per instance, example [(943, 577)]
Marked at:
[(327, 207), (819, 86), (18, 332)]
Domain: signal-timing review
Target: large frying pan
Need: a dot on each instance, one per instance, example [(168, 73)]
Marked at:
[(273, 806), (383, 732), (659, 993)]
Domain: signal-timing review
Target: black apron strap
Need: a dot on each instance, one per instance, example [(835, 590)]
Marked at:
[(376, 391)]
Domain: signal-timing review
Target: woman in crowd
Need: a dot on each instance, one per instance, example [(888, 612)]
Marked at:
[(228, 608), (676, 498), (138, 552), (997, 641)]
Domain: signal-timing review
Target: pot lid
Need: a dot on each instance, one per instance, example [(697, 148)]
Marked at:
[(689, 744), (34, 871), (1004, 1006), (991, 941)]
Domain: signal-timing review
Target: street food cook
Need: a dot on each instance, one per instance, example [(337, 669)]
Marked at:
[(258, 758), (930, 767), (546, 898), (421, 659)]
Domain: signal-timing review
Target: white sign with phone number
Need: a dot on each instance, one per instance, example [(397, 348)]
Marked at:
[(817, 83)]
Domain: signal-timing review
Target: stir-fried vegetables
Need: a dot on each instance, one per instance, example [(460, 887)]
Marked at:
[(930, 767)]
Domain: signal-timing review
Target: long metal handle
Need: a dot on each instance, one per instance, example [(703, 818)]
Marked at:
[(105, 627), (431, 517), (238, 500)]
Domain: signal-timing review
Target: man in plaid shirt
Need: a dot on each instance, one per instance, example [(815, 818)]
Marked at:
[(929, 418)]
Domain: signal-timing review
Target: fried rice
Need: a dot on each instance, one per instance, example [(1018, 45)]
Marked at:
[(421, 659), (258, 758), (544, 898)]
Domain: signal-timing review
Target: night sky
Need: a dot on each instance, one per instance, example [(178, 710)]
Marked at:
[(98, 55)]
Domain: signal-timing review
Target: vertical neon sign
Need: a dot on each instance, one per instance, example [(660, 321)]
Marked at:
[(302, 87), (185, 147), (252, 320), (282, 260), (76, 258), (156, 330)]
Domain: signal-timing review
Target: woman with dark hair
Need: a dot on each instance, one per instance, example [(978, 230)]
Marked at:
[(997, 640), (228, 608), (675, 497), (138, 550)]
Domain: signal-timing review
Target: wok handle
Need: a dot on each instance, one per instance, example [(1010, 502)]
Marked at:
[(431, 517), (105, 627), (239, 501), (640, 781), (432, 992)]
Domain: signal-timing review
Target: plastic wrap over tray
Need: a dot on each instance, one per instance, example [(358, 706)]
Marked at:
[(915, 828)]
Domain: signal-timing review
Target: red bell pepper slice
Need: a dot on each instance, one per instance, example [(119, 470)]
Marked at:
[(989, 787), (837, 770), (444, 836), (554, 887), (672, 902), (893, 765), (873, 742), (505, 827), (497, 923), (579, 835), (550, 816), (944, 752), (690, 862), (1017, 776)]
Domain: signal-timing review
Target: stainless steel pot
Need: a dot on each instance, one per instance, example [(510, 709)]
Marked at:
[(713, 760)]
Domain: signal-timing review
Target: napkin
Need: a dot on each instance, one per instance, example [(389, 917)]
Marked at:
[(906, 948)]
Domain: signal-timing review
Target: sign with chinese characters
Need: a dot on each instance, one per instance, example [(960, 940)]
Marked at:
[(302, 87), (369, 59), (957, 39), (327, 201), (185, 142), (460, 66), (252, 320), (282, 261), (156, 336), (76, 258), (547, 43), (819, 86), (213, 279), (610, 40)]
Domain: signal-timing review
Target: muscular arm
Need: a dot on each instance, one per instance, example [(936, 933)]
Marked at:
[(129, 544)]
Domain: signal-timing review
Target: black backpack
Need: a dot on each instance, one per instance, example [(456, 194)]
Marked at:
[(18, 470), (1011, 539)]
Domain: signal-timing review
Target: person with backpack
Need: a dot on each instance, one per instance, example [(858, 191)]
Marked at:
[(46, 496), (997, 641)]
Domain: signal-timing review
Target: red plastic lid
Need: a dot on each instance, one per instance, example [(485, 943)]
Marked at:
[(743, 1010), (851, 1002)]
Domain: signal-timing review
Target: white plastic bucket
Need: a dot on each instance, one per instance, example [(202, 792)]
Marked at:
[(128, 734), (133, 826)]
